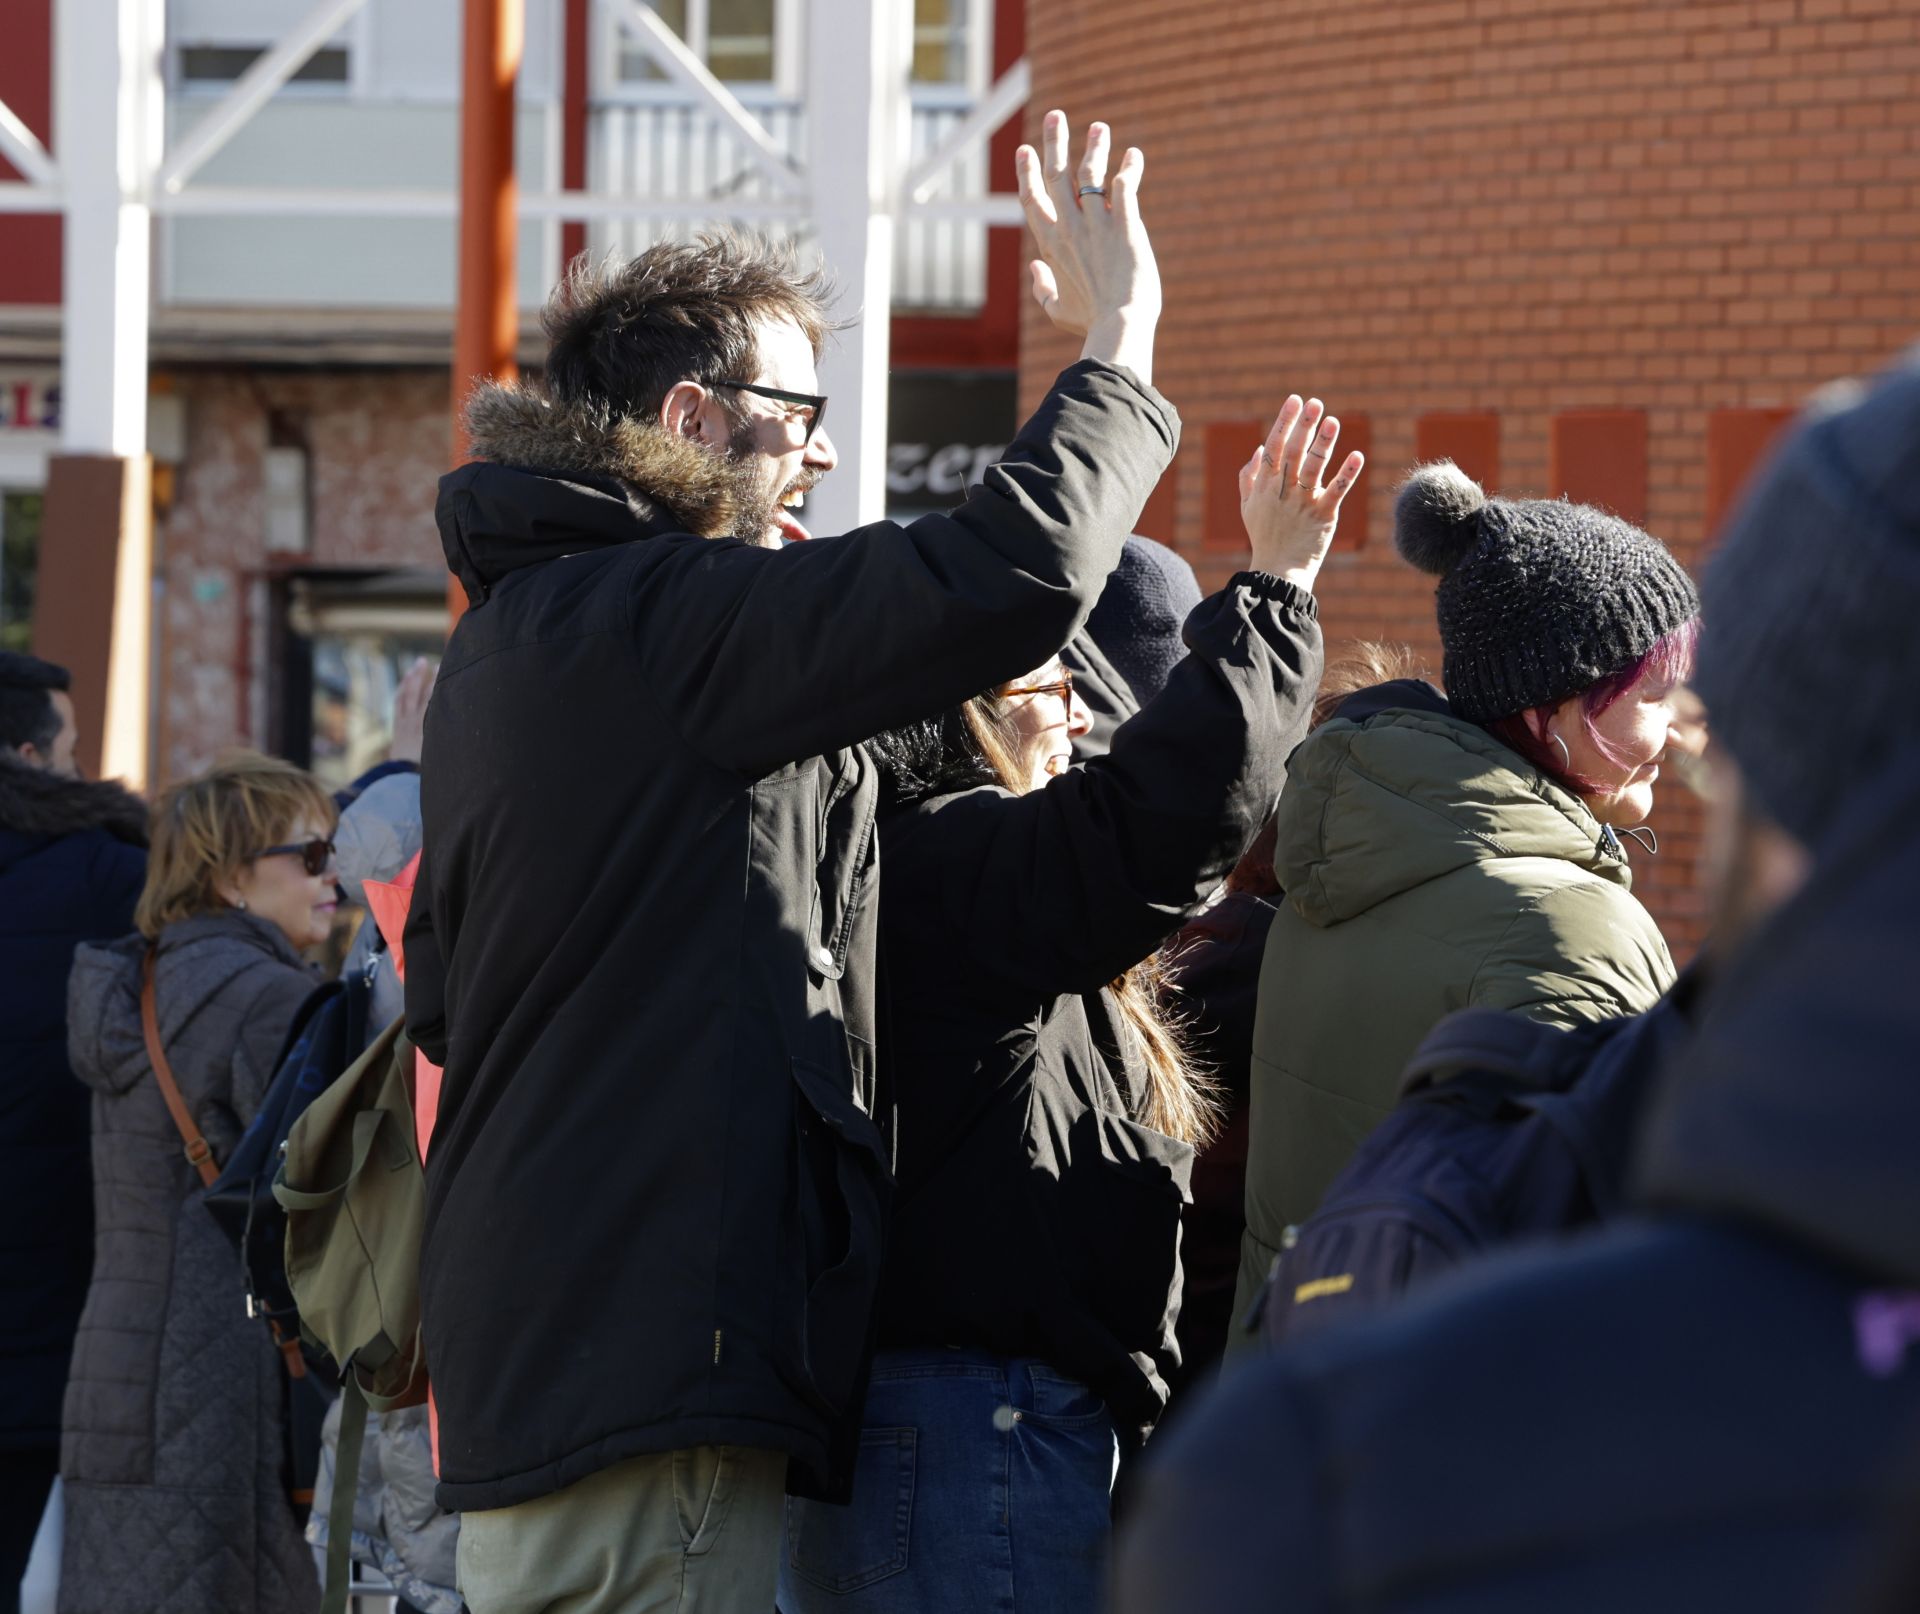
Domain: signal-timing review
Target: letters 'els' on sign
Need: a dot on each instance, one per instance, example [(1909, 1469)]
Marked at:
[(29, 401), (945, 429)]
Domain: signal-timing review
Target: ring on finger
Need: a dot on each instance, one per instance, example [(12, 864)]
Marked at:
[(1093, 190)]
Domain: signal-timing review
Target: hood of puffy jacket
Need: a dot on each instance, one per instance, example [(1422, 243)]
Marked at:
[(104, 1039), (1378, 805), (378, 834), (1798, 1104), (555, 479), (37, 806)]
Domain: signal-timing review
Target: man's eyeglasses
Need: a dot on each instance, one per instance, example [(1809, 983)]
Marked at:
[(1063, 688), (814, 403), (314, 855)]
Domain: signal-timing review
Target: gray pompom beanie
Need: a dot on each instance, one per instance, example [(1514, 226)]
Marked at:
[(1538, 598), (1809, 651)]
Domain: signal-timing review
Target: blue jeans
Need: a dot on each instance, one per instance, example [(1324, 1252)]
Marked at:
[(983, 1484)]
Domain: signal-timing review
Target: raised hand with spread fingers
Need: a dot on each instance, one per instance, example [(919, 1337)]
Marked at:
[(1095, 275), (1288, 508)]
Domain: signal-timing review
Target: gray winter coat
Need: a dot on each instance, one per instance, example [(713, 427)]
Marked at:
[(174, 1445)]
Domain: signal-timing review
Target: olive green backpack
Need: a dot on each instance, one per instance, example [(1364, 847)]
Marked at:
[(355, 1194)]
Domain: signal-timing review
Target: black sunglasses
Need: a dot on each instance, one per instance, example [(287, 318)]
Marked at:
[(814, 402), (314, 855)]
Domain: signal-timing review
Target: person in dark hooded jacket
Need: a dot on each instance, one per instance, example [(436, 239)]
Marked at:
[(1698, 1409), (1045, 1115), (642, 945), (72, 857)]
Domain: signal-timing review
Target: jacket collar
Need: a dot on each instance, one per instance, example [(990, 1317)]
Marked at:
[(36, 802), (554, 479), (1376, 807), (230, 925), (1797, 1104)]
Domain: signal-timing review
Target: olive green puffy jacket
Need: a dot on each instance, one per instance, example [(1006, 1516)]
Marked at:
[(1428, 868)]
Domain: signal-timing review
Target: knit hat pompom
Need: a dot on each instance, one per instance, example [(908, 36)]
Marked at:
[(1437, 517)]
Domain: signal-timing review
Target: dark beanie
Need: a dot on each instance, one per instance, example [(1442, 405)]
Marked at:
[(1138, 618), (1538, 598), (1810, 653)]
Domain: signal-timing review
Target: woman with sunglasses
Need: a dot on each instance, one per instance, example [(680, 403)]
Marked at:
[(174, 1453), (1045, 1115)]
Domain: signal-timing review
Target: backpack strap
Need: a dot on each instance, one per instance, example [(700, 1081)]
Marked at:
[(346, 1480), (1496, 1042), (199, 1151)]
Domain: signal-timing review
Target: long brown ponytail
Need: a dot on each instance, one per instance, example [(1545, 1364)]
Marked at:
[(1182, 1099)]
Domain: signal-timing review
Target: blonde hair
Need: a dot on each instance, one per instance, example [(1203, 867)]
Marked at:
[(1183, 1101), (208, 828)]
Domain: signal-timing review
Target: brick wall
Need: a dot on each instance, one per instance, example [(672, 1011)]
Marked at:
[(377, 444), (1592, 246)]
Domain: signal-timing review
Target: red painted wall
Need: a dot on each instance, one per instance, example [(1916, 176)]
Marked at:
[(1604, 245), (29, 243)]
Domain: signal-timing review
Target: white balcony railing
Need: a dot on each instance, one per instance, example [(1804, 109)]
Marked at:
[(678, 151)]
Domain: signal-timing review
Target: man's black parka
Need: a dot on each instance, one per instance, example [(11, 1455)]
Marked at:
[(643, 941)]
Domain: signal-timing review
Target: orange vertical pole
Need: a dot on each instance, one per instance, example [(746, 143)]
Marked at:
[(486, 328)]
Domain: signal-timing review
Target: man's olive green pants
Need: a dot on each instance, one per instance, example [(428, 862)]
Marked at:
[(691, 1532)]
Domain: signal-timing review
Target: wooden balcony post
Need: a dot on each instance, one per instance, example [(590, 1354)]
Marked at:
[(486, 330)]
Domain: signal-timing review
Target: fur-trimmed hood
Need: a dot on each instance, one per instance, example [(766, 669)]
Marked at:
[(555, 479), (35, 802), (517, 424)]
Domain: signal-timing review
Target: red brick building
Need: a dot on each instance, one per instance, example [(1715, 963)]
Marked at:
[(1591, 247)]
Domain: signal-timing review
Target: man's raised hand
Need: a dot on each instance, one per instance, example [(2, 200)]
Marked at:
[(1289, 512), (1095, 275)]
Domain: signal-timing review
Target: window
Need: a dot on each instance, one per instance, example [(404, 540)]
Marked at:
[(941, 43), (737, 39), (19, 556), (205, 66)]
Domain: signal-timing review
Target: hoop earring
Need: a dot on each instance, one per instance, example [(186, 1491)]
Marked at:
[(1566, 756)]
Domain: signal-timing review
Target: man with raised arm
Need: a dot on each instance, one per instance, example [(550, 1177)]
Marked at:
[(643, 945)]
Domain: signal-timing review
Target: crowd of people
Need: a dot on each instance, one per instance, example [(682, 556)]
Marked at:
[(908, 1002)]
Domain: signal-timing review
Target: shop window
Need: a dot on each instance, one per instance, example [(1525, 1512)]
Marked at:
[(348, 640), (19, 560)]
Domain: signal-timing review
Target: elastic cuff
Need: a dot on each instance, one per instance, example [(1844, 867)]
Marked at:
[(1264, 585)]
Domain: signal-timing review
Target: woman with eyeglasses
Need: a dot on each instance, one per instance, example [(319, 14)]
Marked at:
[(174, 1452), (1045, 1115)]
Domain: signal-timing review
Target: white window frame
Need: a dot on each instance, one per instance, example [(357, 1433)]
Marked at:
[(789, 63), (356, 38), (979, 73)]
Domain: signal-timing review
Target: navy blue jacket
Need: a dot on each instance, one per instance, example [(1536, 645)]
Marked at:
[(1698, 1409), (72, 861)]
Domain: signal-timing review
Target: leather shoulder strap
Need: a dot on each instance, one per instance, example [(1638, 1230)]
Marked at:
[(199, 1152)]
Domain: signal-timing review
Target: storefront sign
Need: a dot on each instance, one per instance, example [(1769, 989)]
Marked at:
[(944, 431), (29, 401)]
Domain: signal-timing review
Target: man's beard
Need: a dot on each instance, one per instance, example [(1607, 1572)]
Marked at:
[(760, 507)]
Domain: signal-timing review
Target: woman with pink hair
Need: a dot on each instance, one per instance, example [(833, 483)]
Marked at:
[(1441, 853)]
